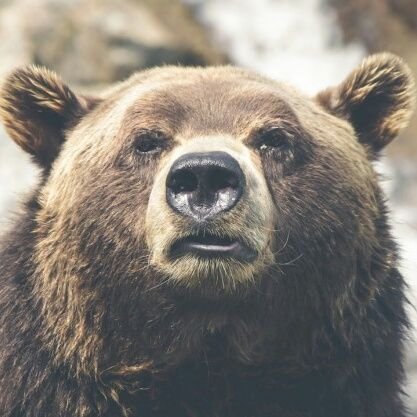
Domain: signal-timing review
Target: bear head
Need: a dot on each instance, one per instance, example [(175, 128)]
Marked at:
[(210, 184)]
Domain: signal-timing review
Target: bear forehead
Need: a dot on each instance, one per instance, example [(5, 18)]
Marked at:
[(206, 100)]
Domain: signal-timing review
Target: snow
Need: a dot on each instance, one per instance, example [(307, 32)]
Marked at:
[(17, 177), (276, 39)]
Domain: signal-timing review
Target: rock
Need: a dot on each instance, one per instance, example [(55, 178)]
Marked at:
[(101, 41), (407, 11)]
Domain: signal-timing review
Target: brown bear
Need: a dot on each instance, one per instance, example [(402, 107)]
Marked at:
[(204, 242)]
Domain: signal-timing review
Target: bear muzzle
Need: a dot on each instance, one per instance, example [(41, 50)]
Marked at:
[(202, 186)]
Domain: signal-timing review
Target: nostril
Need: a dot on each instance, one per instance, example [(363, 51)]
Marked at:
[(222, 179), (183, 181)]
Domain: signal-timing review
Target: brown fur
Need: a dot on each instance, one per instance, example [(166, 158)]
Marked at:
[(36, 109), (106, 324)]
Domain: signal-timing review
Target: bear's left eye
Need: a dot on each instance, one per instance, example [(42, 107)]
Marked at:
[(271, 139), (149, 142)]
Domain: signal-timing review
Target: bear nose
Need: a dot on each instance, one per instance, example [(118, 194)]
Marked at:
[(203, 185)]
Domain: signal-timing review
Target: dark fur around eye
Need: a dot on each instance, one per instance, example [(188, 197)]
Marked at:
[(150, 142), (271, 138), (284, 147)]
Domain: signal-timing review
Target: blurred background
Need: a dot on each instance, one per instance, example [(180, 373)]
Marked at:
[(309, 43)]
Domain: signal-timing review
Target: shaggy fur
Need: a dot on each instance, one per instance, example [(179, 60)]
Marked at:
[(96, 320), (37, 108)]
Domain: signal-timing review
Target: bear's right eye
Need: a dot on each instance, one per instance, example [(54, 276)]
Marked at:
[(149, 142)]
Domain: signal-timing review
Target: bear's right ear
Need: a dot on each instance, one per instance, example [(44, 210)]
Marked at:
[(37, 108)]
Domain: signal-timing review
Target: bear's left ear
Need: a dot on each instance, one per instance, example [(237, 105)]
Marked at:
[(37, 109), (377, 98)]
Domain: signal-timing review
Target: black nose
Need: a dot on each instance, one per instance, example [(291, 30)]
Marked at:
[(202, 185)]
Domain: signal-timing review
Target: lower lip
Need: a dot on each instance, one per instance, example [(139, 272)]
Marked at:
[(234, 249)]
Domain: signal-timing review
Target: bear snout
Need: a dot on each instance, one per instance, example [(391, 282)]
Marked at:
[(207, 214), (203, 185)]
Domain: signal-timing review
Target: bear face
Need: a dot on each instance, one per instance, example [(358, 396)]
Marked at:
[(296, 161), (190, 203)]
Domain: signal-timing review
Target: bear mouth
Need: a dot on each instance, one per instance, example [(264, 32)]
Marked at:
[(211, 246)]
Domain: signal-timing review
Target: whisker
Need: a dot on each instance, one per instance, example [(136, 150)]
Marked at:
[(292, 261), (158, 285)]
